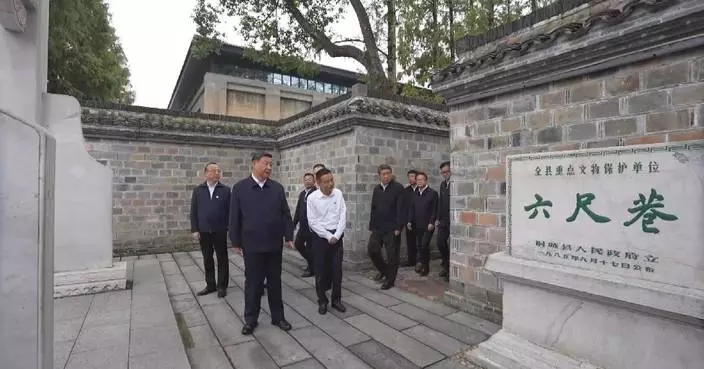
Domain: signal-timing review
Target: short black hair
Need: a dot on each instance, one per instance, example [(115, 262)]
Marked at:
[(384, 167), (261, 154), (444, 164), (318, 165), (421, 174), (205, 168), (308, 174), (319, 174), (412, 171)]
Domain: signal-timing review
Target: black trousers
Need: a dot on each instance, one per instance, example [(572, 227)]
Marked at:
[(423, 237), (215, 242), (259, 266), (443, 241), (303, 245), (377, 240), (328, 268), (411, 246)]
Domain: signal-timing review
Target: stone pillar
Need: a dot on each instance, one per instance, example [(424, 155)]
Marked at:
[(83, 236), (26, 189)]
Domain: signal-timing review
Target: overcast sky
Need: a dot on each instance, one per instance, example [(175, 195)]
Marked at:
[(155, 35)]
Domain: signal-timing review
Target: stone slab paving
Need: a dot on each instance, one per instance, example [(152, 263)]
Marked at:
[(161, 323)]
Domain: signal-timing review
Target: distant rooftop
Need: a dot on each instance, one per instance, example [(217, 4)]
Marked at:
[(193, 70)]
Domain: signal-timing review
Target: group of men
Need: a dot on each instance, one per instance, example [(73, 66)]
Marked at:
[(256, 214)]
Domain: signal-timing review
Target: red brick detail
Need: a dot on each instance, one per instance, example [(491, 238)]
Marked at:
[(644, 140), (687, 136), (487, 219), (468, 217), (496, 173)]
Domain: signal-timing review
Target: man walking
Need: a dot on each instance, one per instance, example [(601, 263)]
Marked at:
[(443, 222), (210, 209), (303, 240), (327, 217), (422, 216), (409, 197), (386, 220), (260, 220)]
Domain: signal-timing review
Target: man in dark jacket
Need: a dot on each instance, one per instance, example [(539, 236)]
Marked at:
[(443, 222), (210, 209), (302, 242), (386, 220), (260, 220), (410, 192), (422, 215)]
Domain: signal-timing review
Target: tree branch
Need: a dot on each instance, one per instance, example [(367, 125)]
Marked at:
[(357, 40), (322, 39), (375, 67)]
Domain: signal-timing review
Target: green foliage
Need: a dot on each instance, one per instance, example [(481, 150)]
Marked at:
[(86, 59)]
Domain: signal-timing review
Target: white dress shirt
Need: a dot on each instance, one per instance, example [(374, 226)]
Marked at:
[(211, 188), (260, 183), (327, 213)]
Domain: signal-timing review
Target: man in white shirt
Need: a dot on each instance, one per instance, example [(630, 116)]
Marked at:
[(327, 218)]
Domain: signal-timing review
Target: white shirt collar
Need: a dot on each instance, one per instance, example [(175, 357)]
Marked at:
[(260, 183)]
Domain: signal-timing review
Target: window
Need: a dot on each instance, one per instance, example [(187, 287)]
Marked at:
[(277, 79), (335, 90), (319, 86), (328, 88), (311, 85), (270, 77), (343, 90), (302, 83), (294, 81)]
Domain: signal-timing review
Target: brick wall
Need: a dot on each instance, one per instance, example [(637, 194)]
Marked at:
[(617, 85)]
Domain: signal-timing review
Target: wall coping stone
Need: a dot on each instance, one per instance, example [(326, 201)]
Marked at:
[(577, 48)]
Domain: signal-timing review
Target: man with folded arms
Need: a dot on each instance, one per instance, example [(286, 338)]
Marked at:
[(302, 242), (327, 217), (260, 220), (422, 216)]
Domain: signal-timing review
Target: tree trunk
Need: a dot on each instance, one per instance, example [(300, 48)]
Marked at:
[(434, 32), (451, 41), (533, 5), (391, 50), (491, 13)]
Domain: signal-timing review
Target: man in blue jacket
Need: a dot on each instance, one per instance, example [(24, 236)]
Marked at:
[(260, 220), (210, 210)]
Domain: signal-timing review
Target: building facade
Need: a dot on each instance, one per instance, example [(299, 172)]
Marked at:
[(230, 84)]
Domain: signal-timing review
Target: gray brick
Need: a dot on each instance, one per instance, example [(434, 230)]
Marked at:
[(203, 337), (411, 349), (176, 285), (611, 142), (61, 353), (553, 99), (328, 352), (70, 308), (67, 330), (474, 322), (585, 91), (250, 355), (313, 297), (620, 127), (511, 124), (622, 84), (538, 119), (225, 323), (486, 128), (669, 121), (441, 324), (439, 341), (305, 364), (497, 111), (380, 356), (280, 345), (107, 358), (583, 131), (573, 114), (154, 339), (604, 109), (671, 74), (523, 105), (397, 321), (93, 338), (174, 358), (373, 295), (549, 135), (651, 101), (688, 95)]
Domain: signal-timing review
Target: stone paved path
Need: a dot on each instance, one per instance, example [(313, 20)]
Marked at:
[(160, 323)]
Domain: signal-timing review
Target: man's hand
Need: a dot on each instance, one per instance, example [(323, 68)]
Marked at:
[(431, 226), (289, 244), (397, 232), (196, 236), (437, 223), (237, 249), (409, 226), (332, 240)]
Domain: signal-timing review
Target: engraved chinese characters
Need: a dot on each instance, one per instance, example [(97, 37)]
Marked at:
[(632, 212)]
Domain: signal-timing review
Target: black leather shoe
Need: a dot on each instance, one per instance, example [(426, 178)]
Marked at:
[(248, 328), (386, 286), (322, 309), (379, 276), (283, 325), (443, 273), (337, 305), (222, 292), (307, 274), (419, 267), (206, 291), (424, 270)]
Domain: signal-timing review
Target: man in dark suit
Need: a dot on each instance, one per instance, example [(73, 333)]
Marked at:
[(260, 220), (210, 210), (422, 215), (386, 220), (443, 222), (411, 233), (302, 242)]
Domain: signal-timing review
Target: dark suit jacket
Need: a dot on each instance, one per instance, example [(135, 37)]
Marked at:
[(444, 205), (424, 209), (301, 214), (260, 218), (210, 214), (409, 196)]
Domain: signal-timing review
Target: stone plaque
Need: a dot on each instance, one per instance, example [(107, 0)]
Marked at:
[(636, 212)]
